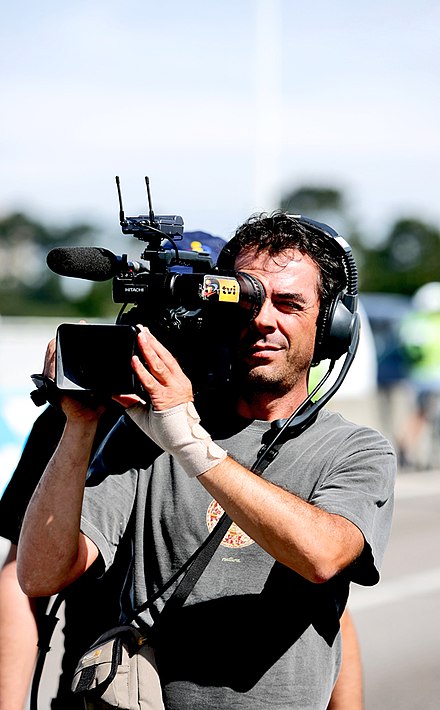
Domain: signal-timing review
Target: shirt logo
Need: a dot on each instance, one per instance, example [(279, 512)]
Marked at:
[(235, 537)]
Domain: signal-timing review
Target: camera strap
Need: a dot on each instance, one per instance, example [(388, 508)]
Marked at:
[(192, 570)]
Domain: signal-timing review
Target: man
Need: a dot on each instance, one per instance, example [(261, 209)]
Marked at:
[(262, 624)]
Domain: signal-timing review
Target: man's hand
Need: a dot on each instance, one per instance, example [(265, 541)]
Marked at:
[(73, 408), (162, 377), (171, 420), (49, 360)]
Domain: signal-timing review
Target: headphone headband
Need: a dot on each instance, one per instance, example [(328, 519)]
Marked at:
[(342, 248)]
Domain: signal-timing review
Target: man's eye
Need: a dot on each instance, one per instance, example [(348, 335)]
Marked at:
[(289, 306)]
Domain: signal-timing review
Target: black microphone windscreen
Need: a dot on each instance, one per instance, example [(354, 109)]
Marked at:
[(92, 263)]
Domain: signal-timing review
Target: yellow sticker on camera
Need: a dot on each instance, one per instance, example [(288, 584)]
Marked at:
[(221, 288)]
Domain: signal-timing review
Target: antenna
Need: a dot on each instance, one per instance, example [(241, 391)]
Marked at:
[(150, 205), (121, 209), (149, 227)]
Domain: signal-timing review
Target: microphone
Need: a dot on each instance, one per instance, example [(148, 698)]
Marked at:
[(92, 263)]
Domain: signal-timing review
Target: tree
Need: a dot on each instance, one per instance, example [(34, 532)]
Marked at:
[(27, 286), (408, 257), (308, 200), (329, 205)]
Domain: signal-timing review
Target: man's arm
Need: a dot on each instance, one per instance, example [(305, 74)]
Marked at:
[(348, 691), (314, 543), (18, 638), (52, 552)]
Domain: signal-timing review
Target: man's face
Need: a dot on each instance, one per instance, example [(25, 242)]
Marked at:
[(276, 349)]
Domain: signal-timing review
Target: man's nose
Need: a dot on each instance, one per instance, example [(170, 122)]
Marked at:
[(265, 321)]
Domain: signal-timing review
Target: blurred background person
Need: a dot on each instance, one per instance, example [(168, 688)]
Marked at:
[(419, 438)]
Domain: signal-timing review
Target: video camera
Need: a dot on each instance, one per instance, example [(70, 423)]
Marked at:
[(195, 310)]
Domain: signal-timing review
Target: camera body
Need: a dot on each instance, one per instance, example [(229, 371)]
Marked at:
[(196, 311)]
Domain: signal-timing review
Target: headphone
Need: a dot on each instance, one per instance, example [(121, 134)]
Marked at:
[(338, 321)]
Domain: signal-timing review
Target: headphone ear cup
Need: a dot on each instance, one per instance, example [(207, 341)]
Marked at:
[(335, 332)]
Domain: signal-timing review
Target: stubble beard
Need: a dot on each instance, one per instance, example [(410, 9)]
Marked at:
[(273, 381)]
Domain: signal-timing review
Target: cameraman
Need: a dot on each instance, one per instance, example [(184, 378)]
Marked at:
[(92, 605), (261, 626)]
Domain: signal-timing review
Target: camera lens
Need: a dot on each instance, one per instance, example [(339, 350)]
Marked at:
[(252, 293)]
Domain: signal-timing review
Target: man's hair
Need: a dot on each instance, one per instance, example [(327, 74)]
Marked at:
[(277, 232)]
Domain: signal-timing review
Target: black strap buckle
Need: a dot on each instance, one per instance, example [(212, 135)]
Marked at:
[(46, 391)]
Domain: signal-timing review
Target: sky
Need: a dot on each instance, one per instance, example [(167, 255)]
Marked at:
[(224, 104)]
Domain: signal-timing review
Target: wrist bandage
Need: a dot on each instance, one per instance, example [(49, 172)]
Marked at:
[(178, 431)]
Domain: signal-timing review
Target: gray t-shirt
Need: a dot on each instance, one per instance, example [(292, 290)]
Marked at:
[(253, 633)]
